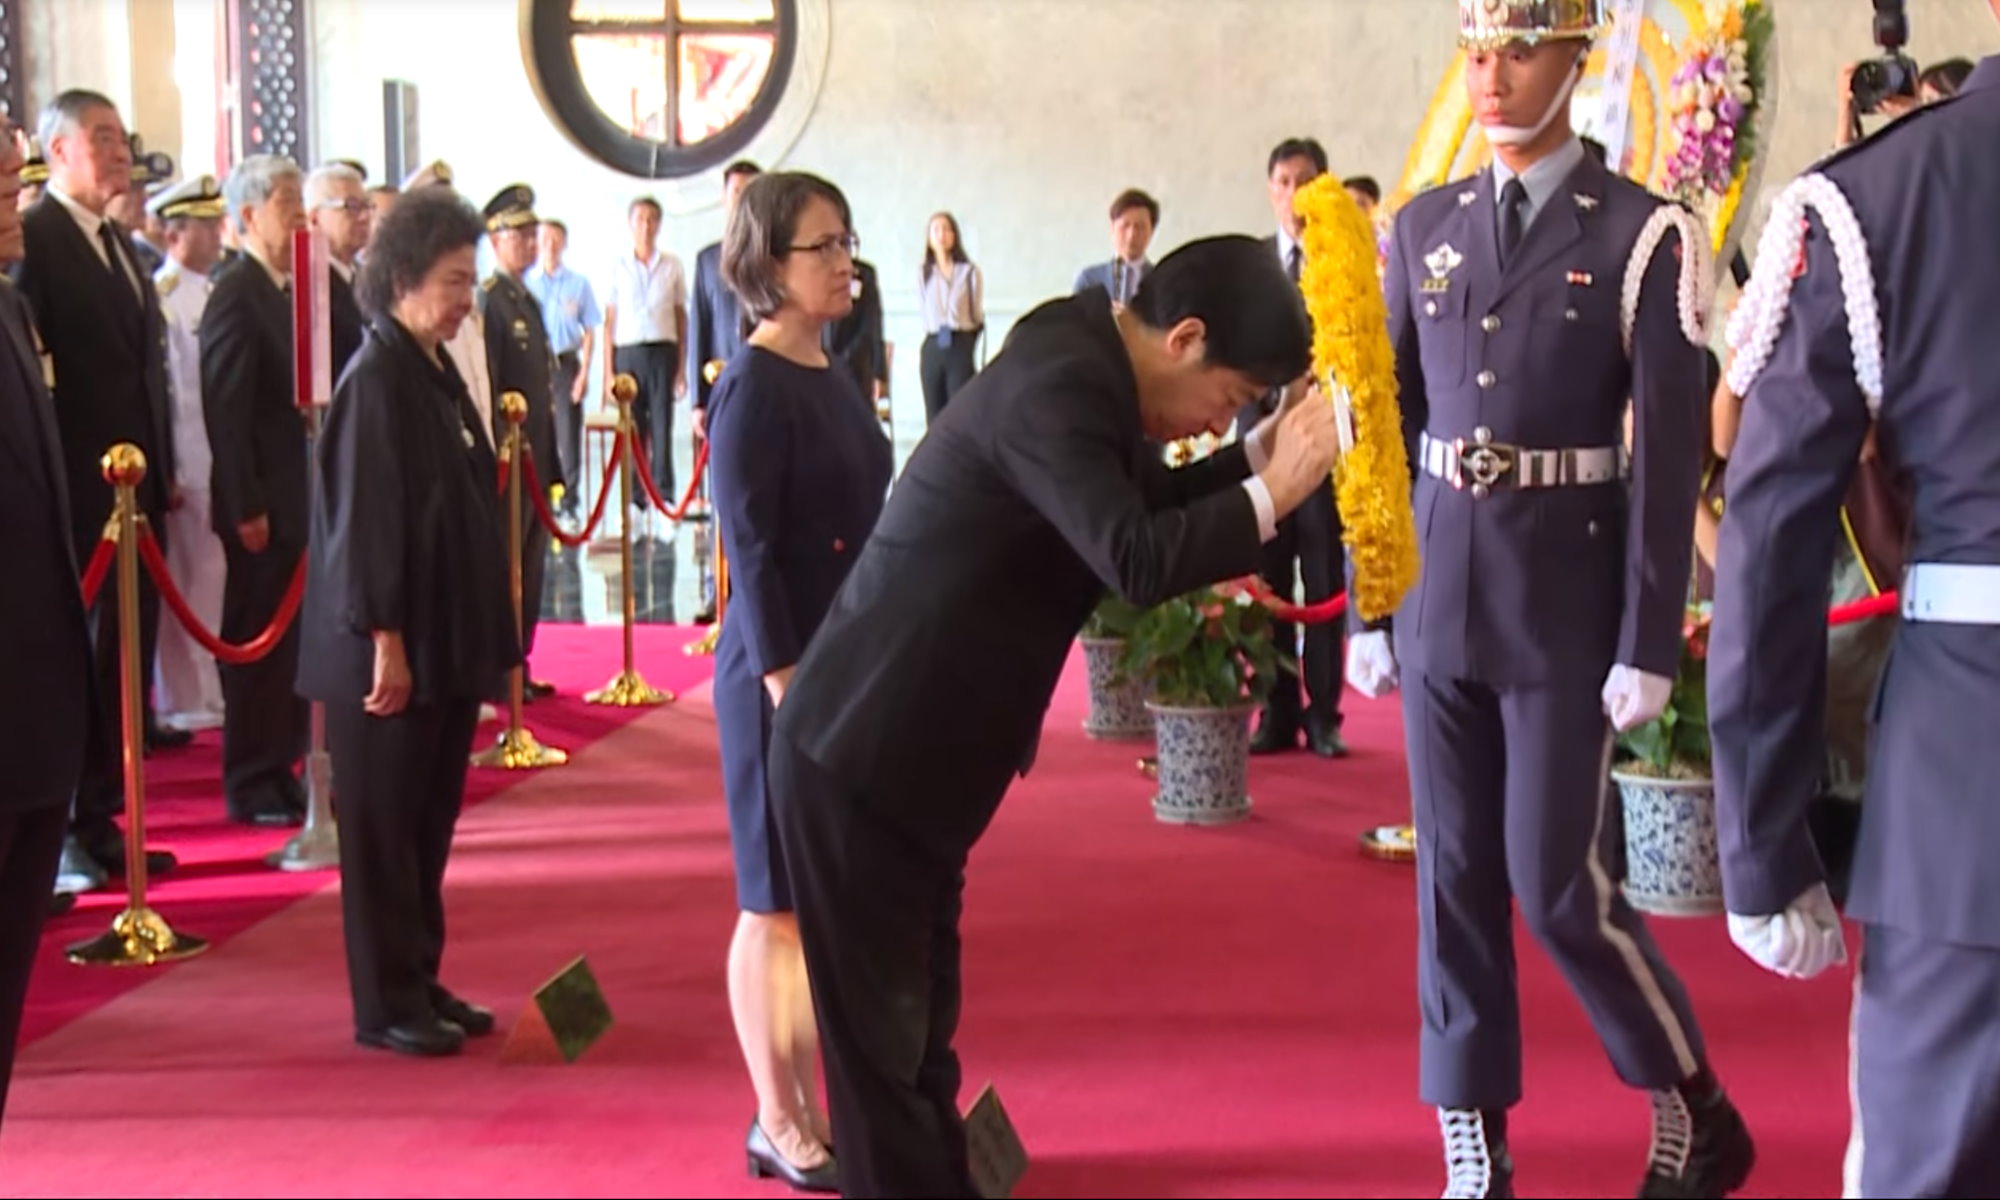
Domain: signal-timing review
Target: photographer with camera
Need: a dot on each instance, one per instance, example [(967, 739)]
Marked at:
[(1891, 86)]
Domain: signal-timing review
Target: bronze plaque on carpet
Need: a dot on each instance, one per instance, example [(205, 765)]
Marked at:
[(563, 1019), (997, 1158)]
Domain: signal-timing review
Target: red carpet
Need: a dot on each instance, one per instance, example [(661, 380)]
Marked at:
[(1166, 1011), (222, 886)]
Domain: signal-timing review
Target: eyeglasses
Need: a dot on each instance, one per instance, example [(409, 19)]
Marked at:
[(354, 206), (832, 248)]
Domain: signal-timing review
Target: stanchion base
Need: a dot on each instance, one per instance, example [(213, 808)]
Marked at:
[(517, 750), (705, 644), (137, 938), (315, 848), (1391, 843), (628, 691)]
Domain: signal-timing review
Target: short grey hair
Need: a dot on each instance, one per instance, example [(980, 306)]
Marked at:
[(760, 232), (318, 185), (253, 181), (64, 113)]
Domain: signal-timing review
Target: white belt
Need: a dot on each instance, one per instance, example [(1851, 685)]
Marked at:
[(1952, 593), (1485, 464)]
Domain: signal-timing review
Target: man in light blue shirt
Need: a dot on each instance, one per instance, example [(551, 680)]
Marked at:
[(569, 312)]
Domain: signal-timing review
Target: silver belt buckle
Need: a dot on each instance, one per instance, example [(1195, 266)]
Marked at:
[(1485, 463)]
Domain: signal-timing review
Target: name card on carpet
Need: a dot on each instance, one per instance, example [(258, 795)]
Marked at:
[(563, 1018), (997, 1158)]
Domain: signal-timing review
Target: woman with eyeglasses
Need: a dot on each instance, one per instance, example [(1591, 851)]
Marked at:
[(799, 469)]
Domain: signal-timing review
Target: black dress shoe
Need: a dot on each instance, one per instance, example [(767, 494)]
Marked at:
[(1701, 1147), (474, 1019), (419, 1039), (159, 737), (1273, 738), (61, 902), (536, 689), (1327, 743), (767, 1163)]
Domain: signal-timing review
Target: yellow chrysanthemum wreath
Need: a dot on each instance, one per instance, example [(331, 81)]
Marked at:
[(1351, 348)]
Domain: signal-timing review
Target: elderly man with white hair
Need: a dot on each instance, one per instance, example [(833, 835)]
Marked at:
[(258, 490), (338, 207)]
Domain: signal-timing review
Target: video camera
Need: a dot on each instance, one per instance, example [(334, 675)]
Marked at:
[(1894, 73)]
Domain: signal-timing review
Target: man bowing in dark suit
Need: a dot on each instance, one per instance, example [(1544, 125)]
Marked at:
[(922, 695), (44, 729), (258, 439), (104, 352)]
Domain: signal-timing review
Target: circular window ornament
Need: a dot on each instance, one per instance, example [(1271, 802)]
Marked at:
[(675, 89)]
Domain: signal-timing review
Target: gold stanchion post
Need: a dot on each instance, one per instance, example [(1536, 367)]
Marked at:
[(517, 749), (138, 937), (628, 689)]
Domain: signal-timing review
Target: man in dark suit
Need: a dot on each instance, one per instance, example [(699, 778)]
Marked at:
[(856, 339), (520, 360), (337, 206), (1552, 595), (1037, 490), (1871, 313), (1307, 550), (259, 482), (717, 329), (45, 729), (104, 353), (1135, 217)]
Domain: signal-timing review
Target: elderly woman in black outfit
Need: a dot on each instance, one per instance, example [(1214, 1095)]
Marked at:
[(800, 468), (406, 624)]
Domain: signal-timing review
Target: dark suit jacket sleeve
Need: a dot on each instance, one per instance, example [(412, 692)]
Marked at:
[(1059, 444), (1803, 425), (229, 378), (362, 491), (495, 349), (1184, 485), (701, 331), (1668, 374), (750, 445)]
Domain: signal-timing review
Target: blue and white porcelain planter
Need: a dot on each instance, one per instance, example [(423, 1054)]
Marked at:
[(1117, 710), (1673, 865), (1204, 764)]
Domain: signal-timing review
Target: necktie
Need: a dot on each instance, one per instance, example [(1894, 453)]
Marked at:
[(1292, 262), (1513, 198)]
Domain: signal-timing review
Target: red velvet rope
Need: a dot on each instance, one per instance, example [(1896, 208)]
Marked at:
[(100, 566), (248, 652), (1327, 610), (535, 489), (694, 483)]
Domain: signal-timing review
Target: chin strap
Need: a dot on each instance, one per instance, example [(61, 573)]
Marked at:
[(1760, 314), (1696, 293)]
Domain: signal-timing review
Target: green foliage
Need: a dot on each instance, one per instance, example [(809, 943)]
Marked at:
[(1210, 648), (1675, 743), (1113, 617)]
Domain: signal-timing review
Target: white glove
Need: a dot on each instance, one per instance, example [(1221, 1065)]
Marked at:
[(1371, 664), (1798, 943), (1633, 697)]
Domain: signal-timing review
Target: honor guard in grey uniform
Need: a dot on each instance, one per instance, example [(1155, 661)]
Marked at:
[(1526, 305), (1874, 307), (519, 359)]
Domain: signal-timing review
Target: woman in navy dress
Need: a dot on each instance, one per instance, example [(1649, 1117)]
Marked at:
[(800, 469)]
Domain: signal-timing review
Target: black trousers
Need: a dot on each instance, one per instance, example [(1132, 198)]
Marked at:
[(569, 426), (266, 727), (534, 571), (401, 783), (1927, 1066), (945, 369), (878, 916), (30, 844), (1307, 549), (652, 364), (100, 796)]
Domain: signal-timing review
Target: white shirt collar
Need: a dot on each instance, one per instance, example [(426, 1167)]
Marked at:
[(86, 220)]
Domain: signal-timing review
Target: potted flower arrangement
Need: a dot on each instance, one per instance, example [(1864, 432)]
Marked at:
[(1672, 863), (1208, 659), (1117, 698), (1716, 101)]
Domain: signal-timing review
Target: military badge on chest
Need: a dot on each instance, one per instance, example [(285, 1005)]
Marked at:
[(1441, 262)]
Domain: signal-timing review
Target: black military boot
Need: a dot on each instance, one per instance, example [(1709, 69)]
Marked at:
[(1476, 1161), (1701, 1147)]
